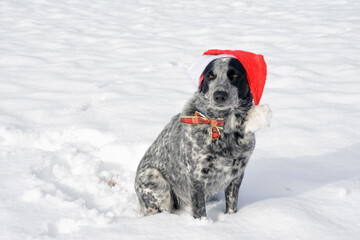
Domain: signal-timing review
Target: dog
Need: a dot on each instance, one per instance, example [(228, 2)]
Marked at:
[(190, 162)]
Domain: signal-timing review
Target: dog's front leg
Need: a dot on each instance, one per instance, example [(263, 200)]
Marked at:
[(232, 194), (198, 199)]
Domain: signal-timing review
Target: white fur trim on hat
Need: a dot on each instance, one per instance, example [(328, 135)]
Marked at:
[(197, 68)]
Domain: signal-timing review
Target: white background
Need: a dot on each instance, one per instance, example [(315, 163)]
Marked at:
[(86, 86)]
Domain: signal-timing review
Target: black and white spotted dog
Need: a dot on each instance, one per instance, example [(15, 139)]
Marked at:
[(185, 165)]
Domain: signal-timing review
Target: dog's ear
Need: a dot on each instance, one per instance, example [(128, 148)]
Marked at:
[(240, 81), (204, 87), (243, 87)]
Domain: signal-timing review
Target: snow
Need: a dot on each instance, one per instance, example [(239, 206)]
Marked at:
[(86, 87)]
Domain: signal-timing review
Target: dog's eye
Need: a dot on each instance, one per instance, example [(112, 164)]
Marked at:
[(211, 75), (232, 74)]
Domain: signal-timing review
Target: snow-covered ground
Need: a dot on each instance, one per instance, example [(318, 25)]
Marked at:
[(86, 86)]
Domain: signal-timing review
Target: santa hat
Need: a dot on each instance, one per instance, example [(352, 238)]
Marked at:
[(254, 65)]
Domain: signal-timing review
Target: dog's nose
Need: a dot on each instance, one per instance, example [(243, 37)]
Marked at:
[(220, 96)]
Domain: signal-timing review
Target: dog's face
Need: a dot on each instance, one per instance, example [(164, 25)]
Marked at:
[(225, 84)]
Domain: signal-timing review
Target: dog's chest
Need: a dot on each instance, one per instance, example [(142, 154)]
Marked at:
[(218, 162)]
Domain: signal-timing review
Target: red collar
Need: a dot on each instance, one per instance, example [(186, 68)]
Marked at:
[(200, 118)]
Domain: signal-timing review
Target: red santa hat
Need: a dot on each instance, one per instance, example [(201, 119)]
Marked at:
[(254, 65)]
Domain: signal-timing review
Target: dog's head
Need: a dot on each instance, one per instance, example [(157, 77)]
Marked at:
[(225, 84)]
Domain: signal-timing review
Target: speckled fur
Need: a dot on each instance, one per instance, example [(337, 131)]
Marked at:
[(185, 166)]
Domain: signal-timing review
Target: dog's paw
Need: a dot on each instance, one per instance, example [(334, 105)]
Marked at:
[(258, 117)]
